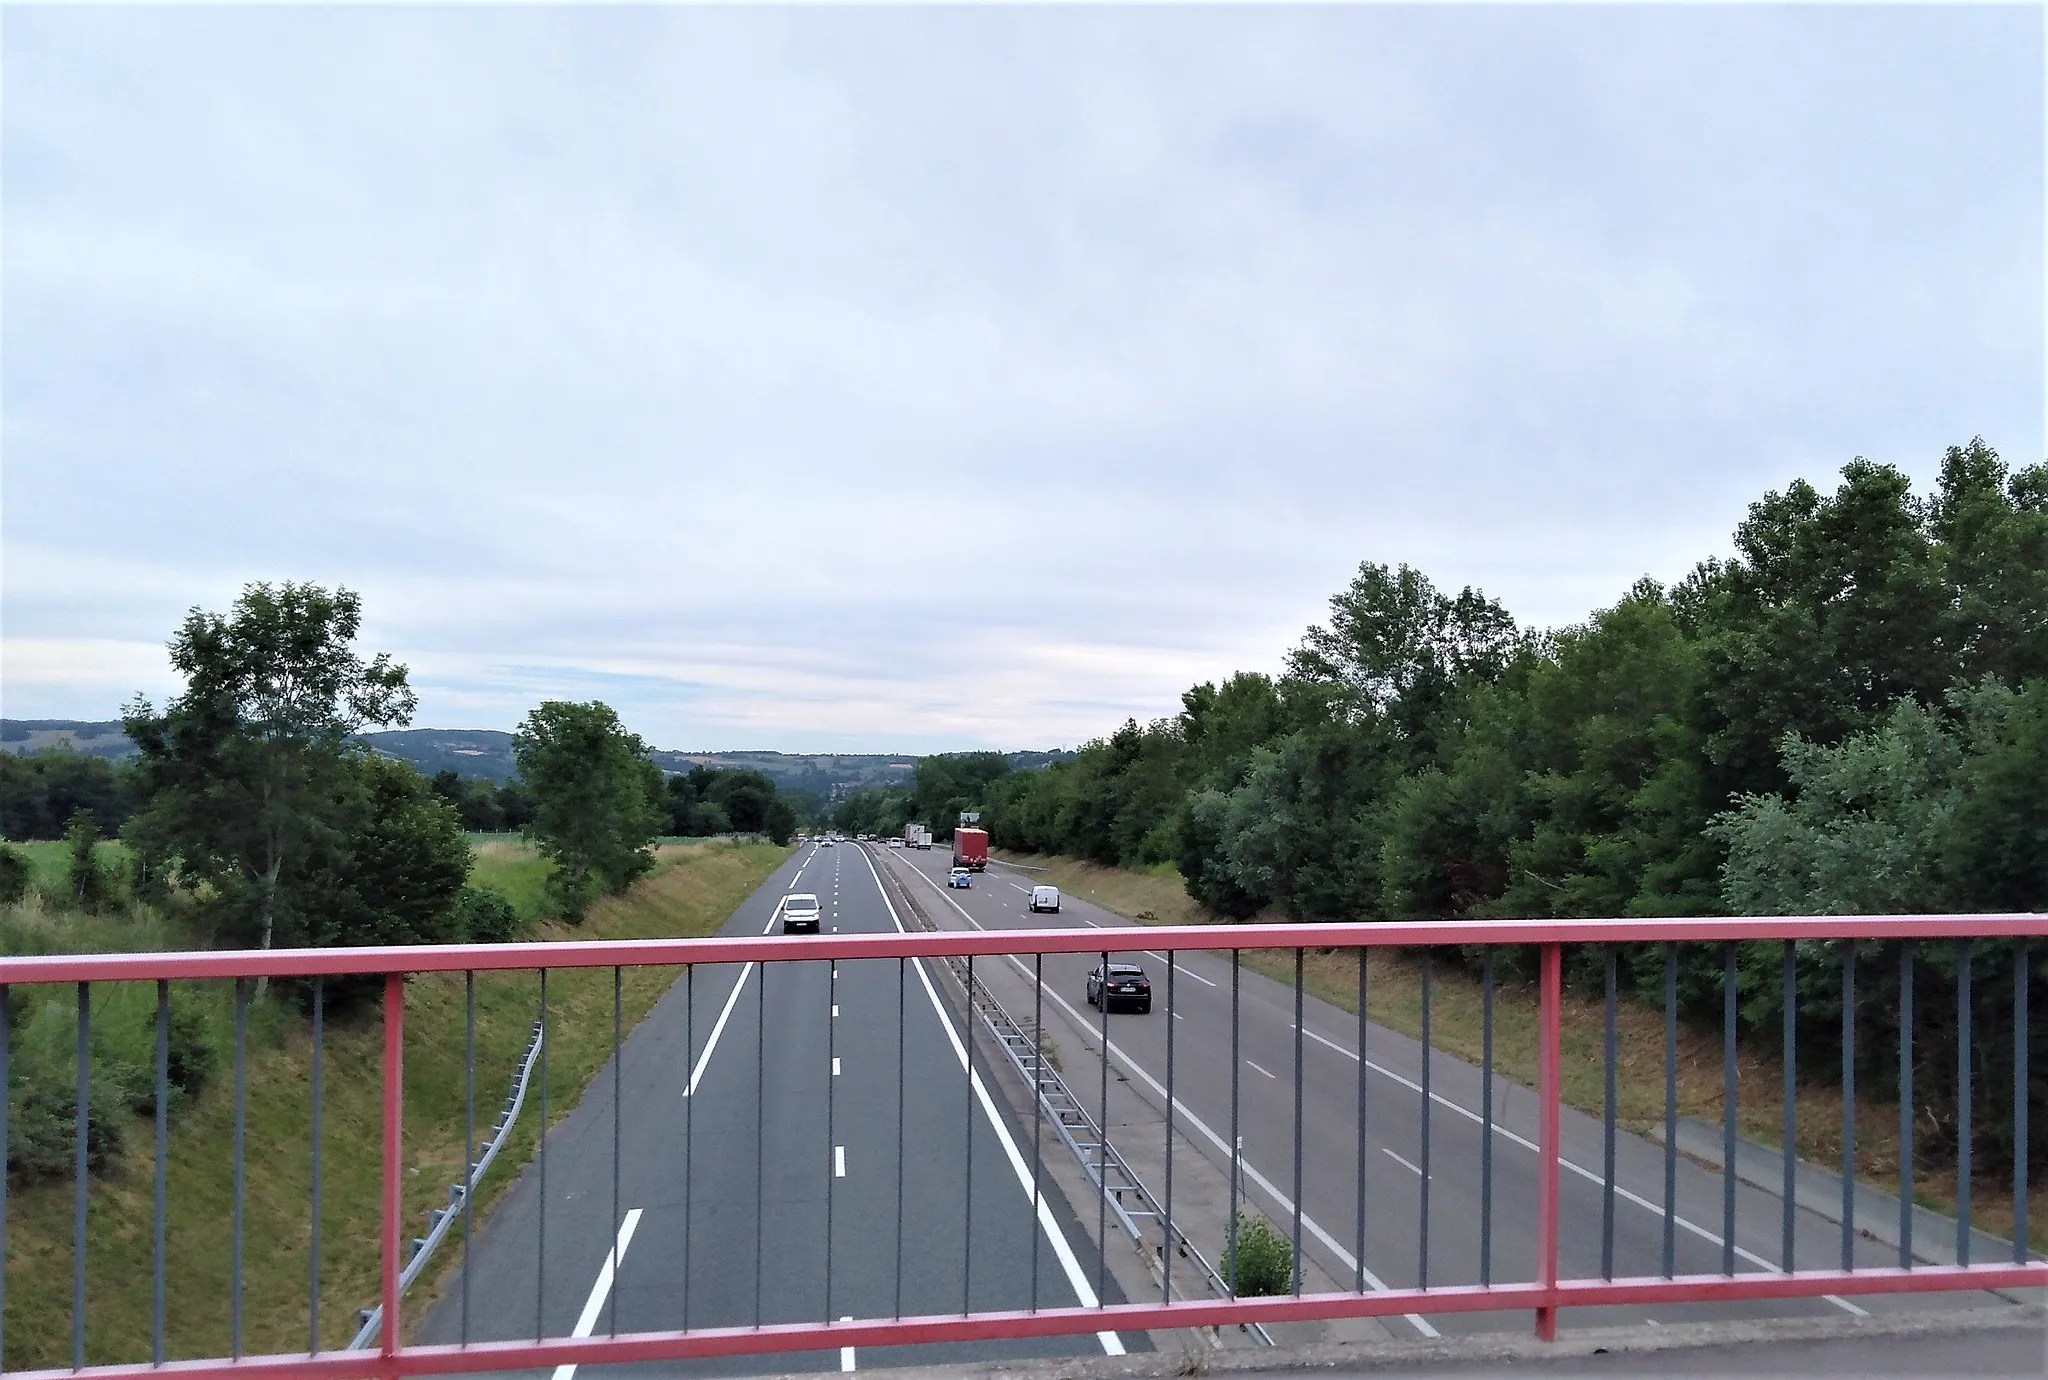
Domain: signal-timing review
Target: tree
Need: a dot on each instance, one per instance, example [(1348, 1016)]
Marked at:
[(39, 792), (247, 770), (597, 799), (394, 869), (90, 881)]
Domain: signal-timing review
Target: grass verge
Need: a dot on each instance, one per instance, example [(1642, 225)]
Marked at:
[(1394, 985), (692, 892)]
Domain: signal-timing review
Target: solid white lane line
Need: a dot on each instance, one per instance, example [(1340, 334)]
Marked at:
[(1412, 1168), (838, 1159), (586, 1321), (704, 1060), (1268, 1072), (1077, 1279)]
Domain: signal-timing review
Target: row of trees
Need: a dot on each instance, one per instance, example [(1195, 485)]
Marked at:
[(41, 791), (1849, 715), (940, 789)]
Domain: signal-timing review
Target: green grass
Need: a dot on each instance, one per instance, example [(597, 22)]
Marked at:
[(49, 862), (692, 891)]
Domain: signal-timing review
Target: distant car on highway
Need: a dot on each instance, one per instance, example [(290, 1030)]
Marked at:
[(960, 877), (1127, 986), (824, 843), (800, 913), (895, 843), (1045, 898)]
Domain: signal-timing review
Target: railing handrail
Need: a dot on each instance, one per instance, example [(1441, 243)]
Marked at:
[(632, 953)]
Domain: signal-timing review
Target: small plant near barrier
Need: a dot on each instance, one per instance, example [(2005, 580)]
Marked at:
[(1258, 1258)]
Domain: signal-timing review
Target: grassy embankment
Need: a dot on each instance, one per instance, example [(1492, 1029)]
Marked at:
[(692, 891), (1394, 986)]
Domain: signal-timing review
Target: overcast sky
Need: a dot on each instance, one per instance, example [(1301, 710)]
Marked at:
[(923, 378)]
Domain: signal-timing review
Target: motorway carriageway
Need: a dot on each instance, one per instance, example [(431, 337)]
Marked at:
[(786, 1078), (1393, 1151)]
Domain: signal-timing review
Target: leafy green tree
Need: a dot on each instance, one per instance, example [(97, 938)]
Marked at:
[(89, 881), (474, 799), (597, 799), (14, 875), (393, 870), (246, 771), (39, 792)]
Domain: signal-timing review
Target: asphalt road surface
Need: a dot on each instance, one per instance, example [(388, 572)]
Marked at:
[(1390, 1153), (798, 1144)]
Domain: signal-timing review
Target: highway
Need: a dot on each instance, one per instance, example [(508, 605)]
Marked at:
[(1390, 1154), (790, 1134)]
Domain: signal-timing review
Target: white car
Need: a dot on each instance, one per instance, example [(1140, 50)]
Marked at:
[(1045, 898), (800, 913), (895, 843)]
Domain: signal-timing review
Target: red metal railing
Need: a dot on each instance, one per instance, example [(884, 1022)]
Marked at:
[(1546, 1294)]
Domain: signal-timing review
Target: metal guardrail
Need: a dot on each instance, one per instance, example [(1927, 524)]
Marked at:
[(1993, 952), (461, 1195)]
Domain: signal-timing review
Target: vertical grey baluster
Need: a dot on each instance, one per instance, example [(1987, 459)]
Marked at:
[(6, 1097), (760, 1130), (1849, 1105), (1428, 994), (901, 969), (163, 1141), (540, 1281), (241, 1146), (967, 1191), (1485, 1117), (319, 1114), (618, 1135), (83, 1127), (1236, 1139), (1610, 1057), (1298, 959), (689, 1117), (1670, 1108), (469, 1150), (831, 1122), (1166, 1233), (1037, 1112), (1906, 1129), (1358, 1271), (2020, 1091), (1964, 1020), (1102, 1147), (1789, 1014), (1727, 1109)]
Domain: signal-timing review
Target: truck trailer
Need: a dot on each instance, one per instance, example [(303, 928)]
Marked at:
[(970, 848)]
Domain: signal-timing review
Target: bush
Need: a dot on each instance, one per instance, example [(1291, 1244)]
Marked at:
[(90, 882), (42, 1132), (14, 875), (1262, 1258), (485, 917)]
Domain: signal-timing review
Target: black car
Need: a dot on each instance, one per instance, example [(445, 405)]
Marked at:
[(1128, 986)]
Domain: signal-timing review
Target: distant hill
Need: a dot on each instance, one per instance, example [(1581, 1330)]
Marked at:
[(488, 753), (93, 739)]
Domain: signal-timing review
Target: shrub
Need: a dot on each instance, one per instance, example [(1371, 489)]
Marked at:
[(14, 875), (1262, 1258), (90, 882), (42, 1133), (485, 917)]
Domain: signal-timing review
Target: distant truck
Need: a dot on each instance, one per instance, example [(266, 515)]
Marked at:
[(970, 848), (916, 836)]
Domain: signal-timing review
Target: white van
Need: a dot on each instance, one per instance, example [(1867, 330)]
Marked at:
[(1045, 898), (800, 913)]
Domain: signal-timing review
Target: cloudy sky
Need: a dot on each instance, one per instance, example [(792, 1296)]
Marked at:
[(925, 378)]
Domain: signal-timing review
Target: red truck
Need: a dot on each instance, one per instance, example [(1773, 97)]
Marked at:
[(970, 848)]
